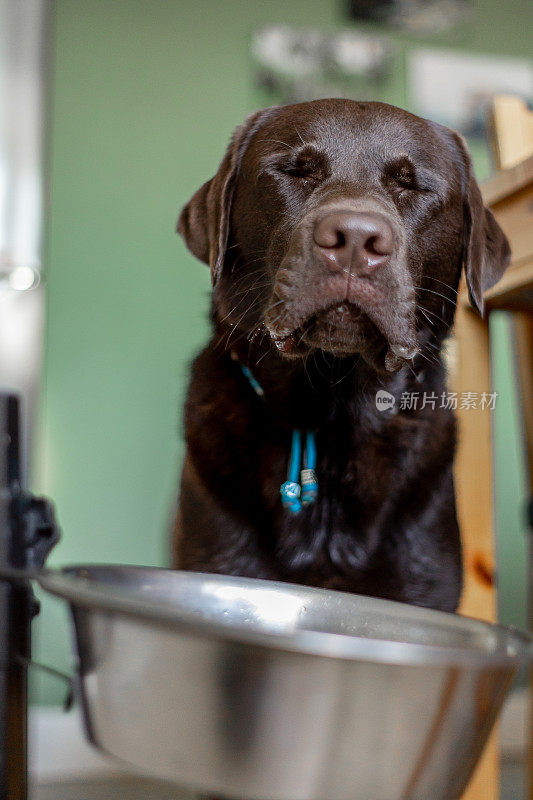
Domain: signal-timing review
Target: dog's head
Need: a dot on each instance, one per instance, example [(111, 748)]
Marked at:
[(343, 227)]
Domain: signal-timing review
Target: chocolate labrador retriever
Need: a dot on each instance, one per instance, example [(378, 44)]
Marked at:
[(320, 437)]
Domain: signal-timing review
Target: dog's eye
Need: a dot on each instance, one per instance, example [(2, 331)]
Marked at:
[(406, 181), (307, 166), (401, 177), (297, 171)]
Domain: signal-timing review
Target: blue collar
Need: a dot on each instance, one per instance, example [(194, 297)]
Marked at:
[(301, 487)]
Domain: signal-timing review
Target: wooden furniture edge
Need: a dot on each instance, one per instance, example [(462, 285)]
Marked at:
[(506, 182)]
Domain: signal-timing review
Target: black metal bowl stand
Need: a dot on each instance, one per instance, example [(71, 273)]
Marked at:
[(27, 534)]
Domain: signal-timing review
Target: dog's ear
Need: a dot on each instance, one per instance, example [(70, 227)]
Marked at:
[(204, 221), (486, 251)]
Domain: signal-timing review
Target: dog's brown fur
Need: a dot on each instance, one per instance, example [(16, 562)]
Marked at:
[(323, 344)]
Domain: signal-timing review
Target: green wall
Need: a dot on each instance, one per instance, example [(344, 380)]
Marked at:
[(144, 98)]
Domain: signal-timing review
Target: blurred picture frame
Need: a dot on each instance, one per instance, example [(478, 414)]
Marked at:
[(424, 17), (456, 89), (297, 64)]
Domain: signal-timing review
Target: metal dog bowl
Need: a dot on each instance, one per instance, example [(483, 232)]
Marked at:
[(269, 691)]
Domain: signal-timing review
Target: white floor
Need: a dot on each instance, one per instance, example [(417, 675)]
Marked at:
[(64, 767), (111, 789), (513, 787)]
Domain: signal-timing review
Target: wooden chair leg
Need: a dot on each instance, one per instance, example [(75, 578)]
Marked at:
[(475, 504), (523, 338)]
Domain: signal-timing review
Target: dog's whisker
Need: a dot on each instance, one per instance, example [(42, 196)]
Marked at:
[(300, 137), (235, 326), (426, 316), (448, 286), (243, 268), (306, 371), (408, 364), (432, 313), (242, 280), (346, 375), (254, 286), (278, 141), (427, 358), (423, 289), (271, 308), (276, 320), (230, 313), (269, 349), (245, 292)]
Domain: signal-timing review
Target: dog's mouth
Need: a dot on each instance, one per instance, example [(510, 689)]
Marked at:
[(329, 326), (344, 330)]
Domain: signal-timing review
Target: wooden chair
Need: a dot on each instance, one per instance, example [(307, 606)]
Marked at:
[(510, 196), (511, 131)]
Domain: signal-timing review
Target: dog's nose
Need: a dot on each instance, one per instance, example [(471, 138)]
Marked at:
[(353, 241)]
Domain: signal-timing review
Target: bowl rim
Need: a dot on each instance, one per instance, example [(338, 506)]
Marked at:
[(91, 594)]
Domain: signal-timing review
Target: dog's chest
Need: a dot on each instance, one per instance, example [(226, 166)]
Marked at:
[(356, 476)]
